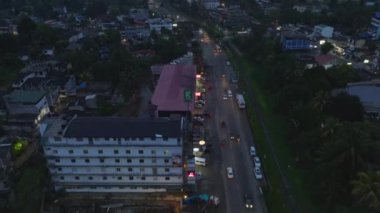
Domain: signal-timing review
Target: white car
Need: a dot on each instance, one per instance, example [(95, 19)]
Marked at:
[(230, 173), (257, 161), (252, 151), (258, 173)]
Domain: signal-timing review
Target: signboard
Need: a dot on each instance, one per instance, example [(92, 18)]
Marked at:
[(187, 95)]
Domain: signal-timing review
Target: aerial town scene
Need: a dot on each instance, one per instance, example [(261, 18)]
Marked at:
[(189, 106)]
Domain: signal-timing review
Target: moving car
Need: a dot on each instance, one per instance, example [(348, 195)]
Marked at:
[(248, 202), (230, 173), (229, 93), (225, 97), (258, 173), (257, 161), (252, 151)]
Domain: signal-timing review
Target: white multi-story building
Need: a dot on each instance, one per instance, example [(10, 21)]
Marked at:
[(114, 154)]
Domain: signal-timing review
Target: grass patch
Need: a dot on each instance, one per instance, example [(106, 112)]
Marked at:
[(276, 125), (29, 190)]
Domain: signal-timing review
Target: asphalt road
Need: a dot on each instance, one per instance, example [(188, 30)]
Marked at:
[(227, 154)]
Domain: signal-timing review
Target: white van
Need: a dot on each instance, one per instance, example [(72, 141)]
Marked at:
[(229, 93), (200, 161)]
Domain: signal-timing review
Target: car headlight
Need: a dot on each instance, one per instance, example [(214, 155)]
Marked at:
[(251, 206), (246, 205)]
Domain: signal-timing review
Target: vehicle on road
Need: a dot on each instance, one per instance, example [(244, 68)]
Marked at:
[(258, 173), (200, 161), (252, 151), (225, 97), (229, 93), (230, 173), (240, 101), (248, 202), (257, 161)]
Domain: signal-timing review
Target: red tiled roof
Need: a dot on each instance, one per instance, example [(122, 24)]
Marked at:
[(325, 59), (174, 79)]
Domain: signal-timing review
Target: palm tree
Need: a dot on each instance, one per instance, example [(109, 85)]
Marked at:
[(367, 189)]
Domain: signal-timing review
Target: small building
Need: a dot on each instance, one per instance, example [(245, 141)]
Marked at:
[(32, 104), (292, 41), (157, 24), (139, 16), (368, 93), (300, 8), (323, 31), (326, 61), (168, 96), (211, 4), (374, 28)]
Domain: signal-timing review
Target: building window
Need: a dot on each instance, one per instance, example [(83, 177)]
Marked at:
[(55, 151), (100, 151), (116, 151), (141, 151), (85, 151), (87, 160), (166, 152), (79, 139), (142, 169), (76, 178), (130, 177), (167, 178), (101, 160), (165, 139), (71, 151), (153, 160), (90, 140), (141, 160), (57, 160), (142, 178), (127, 151), (57, 138), (118, 169), (166, 160), (129, 169), (90, 177), (59, 169), (166, 169), (117, 160), (129, 160), (72, 160), (119, 178), (62, 178), (104, 177), (153, 152)]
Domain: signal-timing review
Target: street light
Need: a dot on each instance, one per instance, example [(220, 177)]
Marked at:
[(349, 63), (202, 142)]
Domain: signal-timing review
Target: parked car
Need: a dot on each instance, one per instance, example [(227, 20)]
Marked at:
[(252, 151), (257, 161), (258, 173), (230, 172), (248, 202)]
